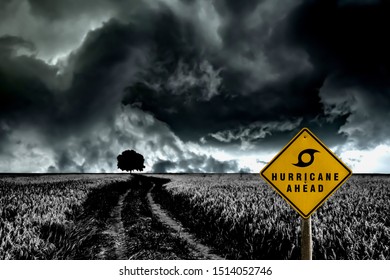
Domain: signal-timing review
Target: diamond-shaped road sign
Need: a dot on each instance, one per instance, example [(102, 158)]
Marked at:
[(305, 173)]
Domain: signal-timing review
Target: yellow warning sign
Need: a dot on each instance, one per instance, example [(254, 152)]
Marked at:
[(305, 173)]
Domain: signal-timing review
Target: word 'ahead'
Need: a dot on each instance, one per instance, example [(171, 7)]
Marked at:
[(305, 173)]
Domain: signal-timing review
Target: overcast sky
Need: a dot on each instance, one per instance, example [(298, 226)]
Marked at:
[(193, 85)]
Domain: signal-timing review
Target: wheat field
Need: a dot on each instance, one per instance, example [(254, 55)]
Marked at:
[(245, 219), (38, 213), (239, 215)]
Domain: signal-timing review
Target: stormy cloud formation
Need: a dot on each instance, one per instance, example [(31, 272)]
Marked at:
[(194, 86)]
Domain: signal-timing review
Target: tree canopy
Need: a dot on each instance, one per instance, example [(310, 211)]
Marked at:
[(130, 160)]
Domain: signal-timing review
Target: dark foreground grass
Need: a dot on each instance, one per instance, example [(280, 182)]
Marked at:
[(42, 216), (85, 237)]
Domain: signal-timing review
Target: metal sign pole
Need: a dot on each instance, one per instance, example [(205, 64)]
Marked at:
[(306, 239)]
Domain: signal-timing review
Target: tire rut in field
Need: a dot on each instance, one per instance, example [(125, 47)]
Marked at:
[(168, 221), (135, 230), (146, 237), (116, 233)]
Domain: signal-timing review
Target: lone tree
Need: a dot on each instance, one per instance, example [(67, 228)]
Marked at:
[(130, 160)]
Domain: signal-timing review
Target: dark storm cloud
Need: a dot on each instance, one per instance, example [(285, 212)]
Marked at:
[(55, 27), (163, 166), (59, 10), (347, 40), (199, 89), (65, 163), (366, 105), (66, 104), (75, 9), (4, 5), (98, 73), (198, 84), (9, 45), (350, 38), (231, 74), (101, 68), (24, 82)]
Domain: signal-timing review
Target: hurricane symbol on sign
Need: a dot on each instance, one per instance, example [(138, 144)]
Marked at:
[(301, 163)]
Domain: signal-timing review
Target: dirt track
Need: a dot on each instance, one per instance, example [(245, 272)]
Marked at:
[(138, 228), (164, 217), (116, 232)]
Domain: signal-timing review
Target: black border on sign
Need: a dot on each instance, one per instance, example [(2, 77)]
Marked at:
[(285, 197)]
